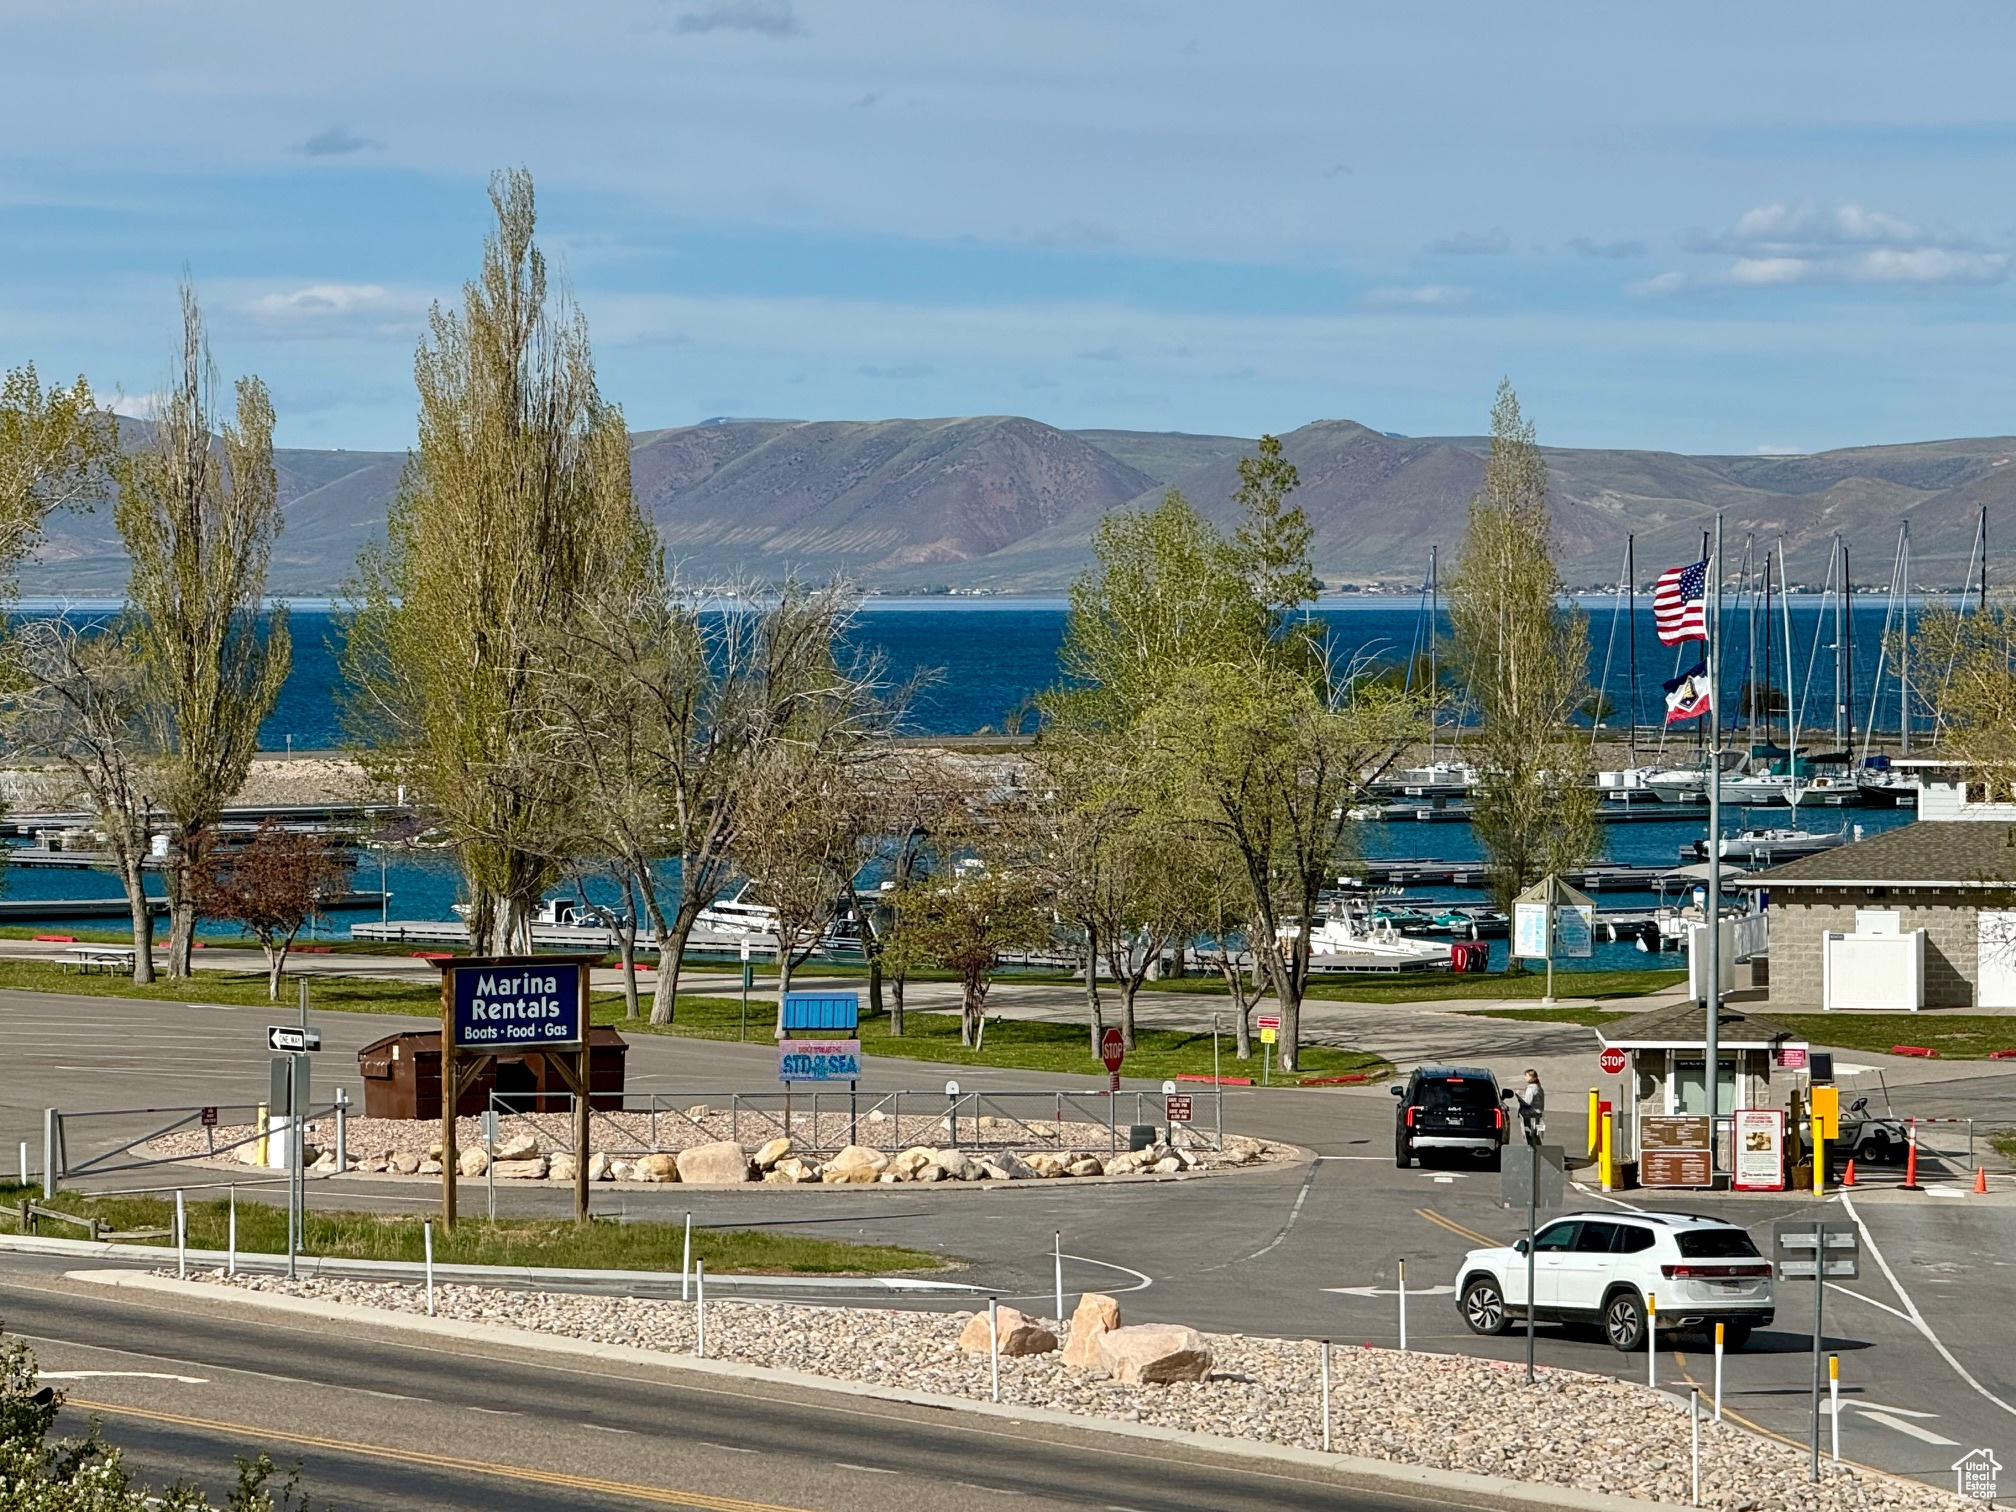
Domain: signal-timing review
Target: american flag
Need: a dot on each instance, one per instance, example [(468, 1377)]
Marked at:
[(1677, 607)]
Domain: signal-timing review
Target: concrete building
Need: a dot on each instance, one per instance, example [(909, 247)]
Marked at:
[(1850, 926)]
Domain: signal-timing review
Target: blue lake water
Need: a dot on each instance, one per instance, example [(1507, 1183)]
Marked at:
[(981, 661)]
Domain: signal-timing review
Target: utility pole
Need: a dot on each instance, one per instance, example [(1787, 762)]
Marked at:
[(1712, 977)]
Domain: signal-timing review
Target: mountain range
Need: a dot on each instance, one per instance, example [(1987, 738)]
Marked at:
[(1009, 504)]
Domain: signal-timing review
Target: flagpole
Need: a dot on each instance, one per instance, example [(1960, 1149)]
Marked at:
[(1712, 976)]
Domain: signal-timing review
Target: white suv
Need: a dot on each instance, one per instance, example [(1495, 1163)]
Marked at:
[(1606, 1268)]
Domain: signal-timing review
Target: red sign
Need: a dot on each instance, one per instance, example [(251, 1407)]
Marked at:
[(209, 1118), (1791, 1059), (1268, 1021), (1112, 1050), (1178, 1110), (1613, 1061)]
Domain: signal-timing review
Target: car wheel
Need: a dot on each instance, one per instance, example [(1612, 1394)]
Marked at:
[(1624, 1321), (1403, 1153), (1484, 1307), (1875, 1150), (1734, 1335)]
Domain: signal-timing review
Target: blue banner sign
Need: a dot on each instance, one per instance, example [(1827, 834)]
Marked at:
[(521, 1005), (822, 1012), (806, 1060)]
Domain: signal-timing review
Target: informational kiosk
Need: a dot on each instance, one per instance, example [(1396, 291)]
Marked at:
[(492, 1005)]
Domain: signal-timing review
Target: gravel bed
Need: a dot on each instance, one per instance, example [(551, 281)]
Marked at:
[(1444, 1411), (625, 1134)]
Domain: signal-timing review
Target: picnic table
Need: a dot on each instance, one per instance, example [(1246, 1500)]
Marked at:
[(86, 959)]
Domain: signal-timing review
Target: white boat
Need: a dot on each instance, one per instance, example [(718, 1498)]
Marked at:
[(1768, 847), (1339, 942), (1827, 792), (1678, 785)]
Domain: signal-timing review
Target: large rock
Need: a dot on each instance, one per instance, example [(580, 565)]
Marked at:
[(472, 1162), (1005, 1165), (521, 1170), (910, 1162), (326, 1162), (620, 1170), (1020, 1334), (431, 1166), (404, 1162), (599, 1166), (561, 1166), (718, 1164), (518, 1147), (854, 1165), (771, 1153), (953, 1165), (654, 1168), (791, 1171), (1085, 1165), (1095, 1316), (1045, 1163), (1154, 1354)]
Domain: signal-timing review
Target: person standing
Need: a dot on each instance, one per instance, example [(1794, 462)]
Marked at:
[(1533, 1103)]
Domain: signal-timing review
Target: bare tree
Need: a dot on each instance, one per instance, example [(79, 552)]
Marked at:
[(515, 512), (81, 700), (271, 884), (199, 515)]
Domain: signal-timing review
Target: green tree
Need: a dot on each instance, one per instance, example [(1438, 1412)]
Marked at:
[(965, 919), (199, 514), (515, 513), (1522, 657), (1272, 540), (56, 448)]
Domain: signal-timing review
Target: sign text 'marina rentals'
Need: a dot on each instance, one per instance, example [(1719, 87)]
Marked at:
[(521, 1006)]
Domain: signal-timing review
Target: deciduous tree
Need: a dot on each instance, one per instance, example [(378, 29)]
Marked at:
[(271, 884)]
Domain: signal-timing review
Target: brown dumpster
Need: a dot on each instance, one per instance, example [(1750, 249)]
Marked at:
[(402, 1078)]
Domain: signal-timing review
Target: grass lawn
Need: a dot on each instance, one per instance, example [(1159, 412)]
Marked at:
[(1956, 1036), (1433, 986), (1021, 1044), (330, 994), (262, 1227)]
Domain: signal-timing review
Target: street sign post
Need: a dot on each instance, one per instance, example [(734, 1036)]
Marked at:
[(1270, 1031), (1826, 1249), (286, 1039), (1112, 1050), (1613, 1061)]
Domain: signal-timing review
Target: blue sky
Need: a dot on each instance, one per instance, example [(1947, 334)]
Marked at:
[(1703, 227)]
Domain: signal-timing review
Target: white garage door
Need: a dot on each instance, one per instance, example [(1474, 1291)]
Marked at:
[(1996, 958)]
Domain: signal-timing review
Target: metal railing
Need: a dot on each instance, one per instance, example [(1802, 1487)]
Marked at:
[(59, 1126)]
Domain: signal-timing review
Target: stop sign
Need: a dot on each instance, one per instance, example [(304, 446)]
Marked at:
[(1613, 1061), (1112, 1050)]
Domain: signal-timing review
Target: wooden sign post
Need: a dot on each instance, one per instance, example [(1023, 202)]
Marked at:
[(518, 1004)]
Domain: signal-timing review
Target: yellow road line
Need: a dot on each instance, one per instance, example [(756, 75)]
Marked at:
[(1454, 1227), (659, 1494)]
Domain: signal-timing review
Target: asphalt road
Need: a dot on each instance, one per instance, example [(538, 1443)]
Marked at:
[(1269, 1251), (383, 1422)]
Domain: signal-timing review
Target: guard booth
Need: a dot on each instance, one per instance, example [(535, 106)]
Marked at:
[(402, 1078), (1664, 1090)]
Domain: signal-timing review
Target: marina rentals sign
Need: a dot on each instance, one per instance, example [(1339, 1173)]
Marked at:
[(520, 1004)]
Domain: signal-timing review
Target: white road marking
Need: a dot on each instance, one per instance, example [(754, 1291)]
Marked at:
[(1293, 1213), (604, 1428), (995, 1490), (1917, 1318), (731, 1448), (1895, 1312), (1390, 1291), (1925, 1435), (864, 1469), (496, 1412), (124, 1375)]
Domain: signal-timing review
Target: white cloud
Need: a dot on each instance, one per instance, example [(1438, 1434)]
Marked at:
[(336, 309), (1779, 246), (1418, 297), (770, 18), (1492, 243), (137, 406)]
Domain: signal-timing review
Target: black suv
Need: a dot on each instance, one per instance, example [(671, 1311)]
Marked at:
[(1453, 1108)]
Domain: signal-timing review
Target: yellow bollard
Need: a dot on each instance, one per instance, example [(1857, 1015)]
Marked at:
[(1606, 1152), (1819, 1156), (262, 1135), (1595, 1119)]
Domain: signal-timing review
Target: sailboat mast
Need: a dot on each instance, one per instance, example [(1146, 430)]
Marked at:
[(1767, 645), (1631, 587), (1903, 641), (1434, 688), (1791, 719), (1847, 652), (1835, 574)]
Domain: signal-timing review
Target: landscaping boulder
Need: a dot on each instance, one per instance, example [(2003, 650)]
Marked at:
[(533, 1169), (248, 1154), (1154, 1354), (1168, 1165), (1005, 1165), (1085, 1165), (654, 1168), (620, 1170), (772, 1152), (910, 1162), (719, 1164), (855, 1165), (599, 1166), (403, 1163), (1020, 1334), (954, 1165), (373, 1164), (1095, 1316), (431, 1166), (791, 1171), (561, 1166), (518, 1147), (1045, 1163), (472, 1162), (326, 1162)]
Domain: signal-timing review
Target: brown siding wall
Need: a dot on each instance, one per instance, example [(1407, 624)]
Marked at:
[(1800, 919)]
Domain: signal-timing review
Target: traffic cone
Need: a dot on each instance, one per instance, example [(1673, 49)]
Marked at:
[(1911, 1165), (1981, 1180), (1848, 1176)]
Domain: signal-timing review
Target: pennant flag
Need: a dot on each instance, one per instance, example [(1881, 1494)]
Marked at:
[(1688, 695), (1678, 609)]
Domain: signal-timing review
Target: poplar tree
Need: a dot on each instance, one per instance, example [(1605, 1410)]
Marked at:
[(199, 510), (514, 515), (1523, 657)]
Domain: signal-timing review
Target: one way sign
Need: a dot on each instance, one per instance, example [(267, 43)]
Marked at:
[(286, 1038)]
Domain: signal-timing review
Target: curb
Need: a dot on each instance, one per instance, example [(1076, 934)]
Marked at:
[(1417, 1477), (320, 1265)]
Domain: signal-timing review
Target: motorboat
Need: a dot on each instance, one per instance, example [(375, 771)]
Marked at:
[(1678, 785), (1888, 788), (1340, 943), (1827, 791), (1473, 921)]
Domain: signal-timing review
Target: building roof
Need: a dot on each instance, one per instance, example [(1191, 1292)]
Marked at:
[(1686, 1024), (1925, 853)]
